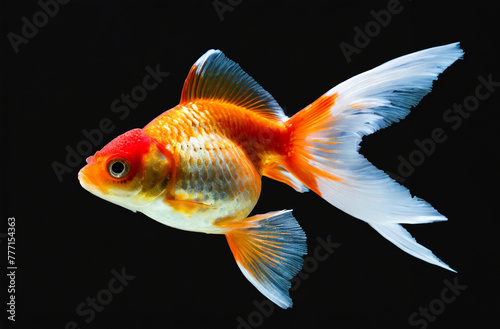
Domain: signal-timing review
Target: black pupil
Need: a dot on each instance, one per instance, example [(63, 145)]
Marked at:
[(118, 168)]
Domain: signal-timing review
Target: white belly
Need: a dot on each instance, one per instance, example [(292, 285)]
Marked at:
[(197, 221)]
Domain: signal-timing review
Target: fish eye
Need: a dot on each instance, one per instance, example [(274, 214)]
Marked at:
[(118, 168)]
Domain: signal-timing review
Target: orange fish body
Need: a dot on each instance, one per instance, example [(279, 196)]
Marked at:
[(220, 152), (198, 166)]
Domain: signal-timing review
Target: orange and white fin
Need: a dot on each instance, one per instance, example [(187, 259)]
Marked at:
[(268, 249), (325, 137), (216, 77), (280, 174)]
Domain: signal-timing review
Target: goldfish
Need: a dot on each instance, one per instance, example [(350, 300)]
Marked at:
[(198, 166)]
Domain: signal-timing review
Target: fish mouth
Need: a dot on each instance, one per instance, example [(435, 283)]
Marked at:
[(86, 182)]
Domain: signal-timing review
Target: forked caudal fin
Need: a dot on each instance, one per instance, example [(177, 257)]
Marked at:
[(325, 139), (268, 249)]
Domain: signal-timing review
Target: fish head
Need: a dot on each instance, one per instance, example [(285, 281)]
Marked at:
[(131, 171)]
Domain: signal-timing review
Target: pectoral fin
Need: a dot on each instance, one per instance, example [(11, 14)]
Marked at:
[(187, 207)]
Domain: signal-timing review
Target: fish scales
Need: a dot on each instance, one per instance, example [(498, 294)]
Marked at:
[(221, 150)]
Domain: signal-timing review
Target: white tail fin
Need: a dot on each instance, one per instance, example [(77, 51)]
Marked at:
[(325, 137), (398, 235)]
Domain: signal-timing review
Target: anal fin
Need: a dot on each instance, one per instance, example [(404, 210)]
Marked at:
[(279, 173)]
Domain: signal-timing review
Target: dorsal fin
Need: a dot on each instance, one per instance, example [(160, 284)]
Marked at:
[(216, 77)]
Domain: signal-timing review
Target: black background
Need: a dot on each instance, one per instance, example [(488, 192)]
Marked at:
[(68, 241)]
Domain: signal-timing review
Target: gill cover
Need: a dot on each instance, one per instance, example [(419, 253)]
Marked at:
[(132, 169)]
